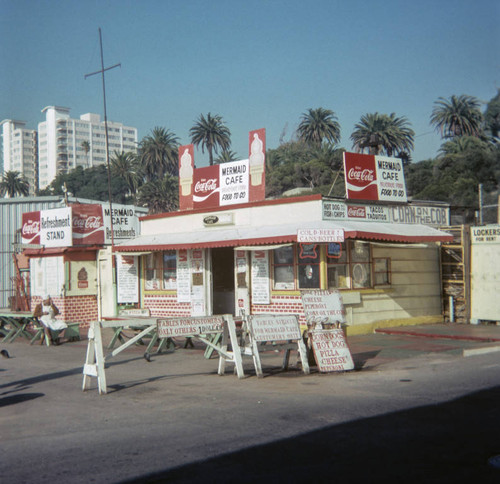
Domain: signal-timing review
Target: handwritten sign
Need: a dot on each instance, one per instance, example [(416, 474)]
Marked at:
[(330, 350), (321, 306), (260, 277), (320, 235), (274, 328), (172, 327)]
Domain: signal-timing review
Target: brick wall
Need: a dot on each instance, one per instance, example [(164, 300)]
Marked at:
[(281, 305), (166, 306), (74, 309)]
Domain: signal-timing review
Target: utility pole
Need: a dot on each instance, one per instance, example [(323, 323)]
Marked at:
[(102, 71), (480, 204)]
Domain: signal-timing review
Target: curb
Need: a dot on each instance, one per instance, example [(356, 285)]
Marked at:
[(480, 351), (438, 335)]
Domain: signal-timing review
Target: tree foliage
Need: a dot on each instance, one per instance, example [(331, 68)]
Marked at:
[(318, 126), (160, 195), (458, 116), (212, 134), (158, 153), (13, 183), (91, 183), (296, 164), (383, 134)]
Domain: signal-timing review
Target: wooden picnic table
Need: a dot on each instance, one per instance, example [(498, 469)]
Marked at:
[(14, 324)]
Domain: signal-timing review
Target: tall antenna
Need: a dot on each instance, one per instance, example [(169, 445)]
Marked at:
[(102, 71)]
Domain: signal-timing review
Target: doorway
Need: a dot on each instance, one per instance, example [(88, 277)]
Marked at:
[(223, 280)]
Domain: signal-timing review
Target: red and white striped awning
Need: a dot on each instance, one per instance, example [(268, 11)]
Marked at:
[(211, 237)]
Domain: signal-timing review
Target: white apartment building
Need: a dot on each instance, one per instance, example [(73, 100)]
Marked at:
[(20, 150), (65, 143)]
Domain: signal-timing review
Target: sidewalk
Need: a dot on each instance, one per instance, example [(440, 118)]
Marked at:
[(387, 345), (369, 351)]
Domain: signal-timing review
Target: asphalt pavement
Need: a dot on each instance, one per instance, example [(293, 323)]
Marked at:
[(173, 419)]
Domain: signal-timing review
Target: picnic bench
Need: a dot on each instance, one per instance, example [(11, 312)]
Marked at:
[(24, 324)]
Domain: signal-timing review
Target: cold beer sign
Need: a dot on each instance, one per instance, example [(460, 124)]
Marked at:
[(370, 177)]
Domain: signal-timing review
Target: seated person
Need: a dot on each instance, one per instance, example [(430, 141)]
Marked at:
[(46, 312)]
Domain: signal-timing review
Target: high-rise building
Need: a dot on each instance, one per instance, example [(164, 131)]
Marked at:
[(65, 143), (20, 150)]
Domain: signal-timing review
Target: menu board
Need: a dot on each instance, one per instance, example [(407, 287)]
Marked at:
[(183, 276), (274, 328), (172, 327), (260, 277), (128, 279), (330, 350), (323, 307)]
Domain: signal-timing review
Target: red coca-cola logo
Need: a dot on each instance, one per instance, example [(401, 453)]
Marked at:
[(364, 175), (205, 186), (32, 227), (91, 222), (355, 211)]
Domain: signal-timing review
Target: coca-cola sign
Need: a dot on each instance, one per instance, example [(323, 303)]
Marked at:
[(369, 177), (356, 211), (206, 187), (30, 231), (360, 176), (88, 224)]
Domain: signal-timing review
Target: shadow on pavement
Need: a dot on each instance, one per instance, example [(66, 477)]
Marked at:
[(444, 443), (22, 397)]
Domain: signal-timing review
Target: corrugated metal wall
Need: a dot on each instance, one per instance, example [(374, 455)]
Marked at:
[(11, 212)]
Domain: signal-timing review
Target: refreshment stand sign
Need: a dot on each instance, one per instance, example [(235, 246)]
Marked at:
[(371, 177), (56, 227)]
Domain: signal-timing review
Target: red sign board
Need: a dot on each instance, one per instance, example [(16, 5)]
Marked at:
[(224, 184), (370, 177), (360, 176), (186, 172), (88, 224), (30, 231)]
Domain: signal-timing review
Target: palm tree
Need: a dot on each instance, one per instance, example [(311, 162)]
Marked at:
[(226, 156), (86, 148), (492, 116), (14, 183), (212, 134), (125, 166), (382, 133), (158, 153), (160, 195), (317, 125), (462, 144), (458, 116)]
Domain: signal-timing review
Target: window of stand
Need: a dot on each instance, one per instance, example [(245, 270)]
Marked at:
[(161, 271), (349, 265)]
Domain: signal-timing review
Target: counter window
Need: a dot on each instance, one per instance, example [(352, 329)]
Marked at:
[(360, 264), (382, 271), (283, 268), (169, 269), (153, 268), (349, 265), (308, 259), (338, 268), (161, 270)]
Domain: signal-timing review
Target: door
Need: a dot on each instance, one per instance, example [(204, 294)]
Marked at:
[(106, 285), (223, 280)]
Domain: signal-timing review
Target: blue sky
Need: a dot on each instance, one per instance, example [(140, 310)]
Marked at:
[(257, 63)]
